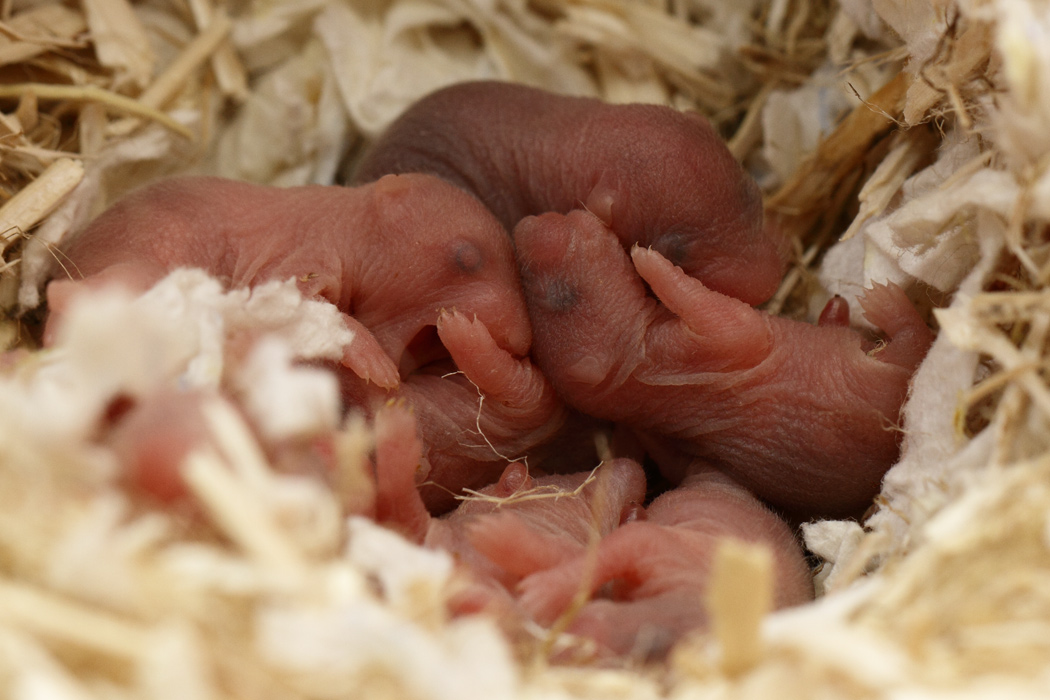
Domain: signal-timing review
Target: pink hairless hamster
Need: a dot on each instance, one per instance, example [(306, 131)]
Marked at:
[(359, 248), (418, 267), (660, 178), (805, 416), (512, 527), (654, 571), (527, 543)]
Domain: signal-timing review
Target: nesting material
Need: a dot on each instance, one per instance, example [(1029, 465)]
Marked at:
[(902, 141), (36, 200), (740, 595)]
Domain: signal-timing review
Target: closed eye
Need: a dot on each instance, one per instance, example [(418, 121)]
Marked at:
[(676, 243), (467, 257)]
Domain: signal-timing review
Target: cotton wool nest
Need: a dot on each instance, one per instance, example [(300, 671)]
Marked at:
[(903, 140)]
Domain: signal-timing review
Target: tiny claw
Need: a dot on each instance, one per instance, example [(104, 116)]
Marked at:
[(365, 358), (514, 478), (633, 512), (399, 403), (379, 371), (835, 313)]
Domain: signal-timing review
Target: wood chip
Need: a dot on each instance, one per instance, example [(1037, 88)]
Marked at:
[(240, 515), (234, 488), (90, 93), (164, 89), (941, 79), (913, 147), (843, 151), (739, 596), (35, 31), (120, 40), (64, 620), (27, 208), (229, 70)]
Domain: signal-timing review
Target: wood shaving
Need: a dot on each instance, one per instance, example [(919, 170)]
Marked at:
[(27, 208), (538, 493), (34, 32), (120, 40), (739, 597)]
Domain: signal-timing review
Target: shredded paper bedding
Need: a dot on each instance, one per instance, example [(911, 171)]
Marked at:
[(903, 140)]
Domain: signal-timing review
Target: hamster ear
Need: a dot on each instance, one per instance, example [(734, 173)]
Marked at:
[(603, 198), (59, 295)]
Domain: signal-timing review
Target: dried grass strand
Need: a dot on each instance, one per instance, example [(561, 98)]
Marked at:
[(96, 95)]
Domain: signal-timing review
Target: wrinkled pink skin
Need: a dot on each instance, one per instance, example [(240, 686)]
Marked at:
[(410, 260), (660, 178), (555, 525), (802, 415), (654, 571), (647, 569), (497, 545), (469, 439), (507, 542)]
